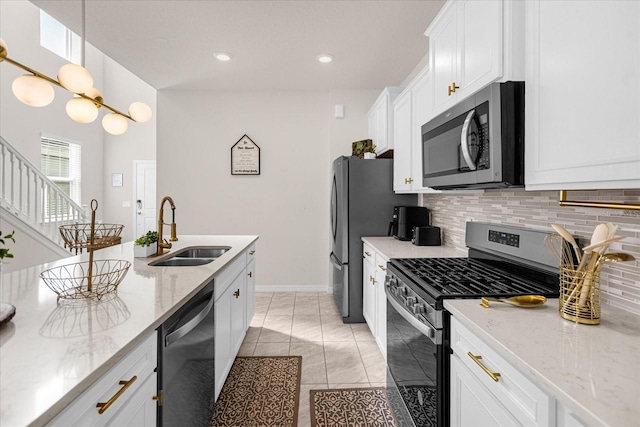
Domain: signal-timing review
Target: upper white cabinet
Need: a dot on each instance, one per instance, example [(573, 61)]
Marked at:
[(410, 112), (381, 119), (473, 43), (582, 95)]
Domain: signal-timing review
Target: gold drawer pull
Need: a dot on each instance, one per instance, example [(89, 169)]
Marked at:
[(236, 293), (125, 385), (250, 274), (382, 267), (367, 253), (252, 252), (494, 375), (408, 180)]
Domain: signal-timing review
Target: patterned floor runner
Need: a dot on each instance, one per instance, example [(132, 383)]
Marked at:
[(363, 407), (260, 392)]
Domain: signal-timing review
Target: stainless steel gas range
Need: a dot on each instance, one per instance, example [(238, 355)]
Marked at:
[(502, 262)]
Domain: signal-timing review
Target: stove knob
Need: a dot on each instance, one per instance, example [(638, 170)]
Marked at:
[(402, 290), (411, 301), (418, 308)]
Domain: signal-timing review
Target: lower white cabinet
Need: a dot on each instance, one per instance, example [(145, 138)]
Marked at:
[(487, 390), (234, 299), (374, 299), (124, 395)]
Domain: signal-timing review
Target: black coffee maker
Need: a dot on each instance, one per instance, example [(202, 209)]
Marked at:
[(405, 218)]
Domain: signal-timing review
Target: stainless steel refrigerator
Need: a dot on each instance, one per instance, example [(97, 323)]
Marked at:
[(362, 201)]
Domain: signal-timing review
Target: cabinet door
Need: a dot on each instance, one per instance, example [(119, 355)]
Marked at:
[(472, 404), (582, 95), (443, 56), (402, 140), (223, 361), (381, 304), (382, 125), (368, 295), (237, 302), (250, 293), (479, 47)]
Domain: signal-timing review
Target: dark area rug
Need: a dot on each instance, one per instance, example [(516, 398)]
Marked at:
[(260, 392), (362, 407)]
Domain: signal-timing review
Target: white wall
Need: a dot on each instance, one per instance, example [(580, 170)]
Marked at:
[(287, 205)]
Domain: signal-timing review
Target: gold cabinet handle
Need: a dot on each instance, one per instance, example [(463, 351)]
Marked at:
[(494, 375), (382, 267), (408, 180), (367, 253), (236, 293), (250, 274), (372, 280), (252, 252), (125, 385), (158, 397), (451, 89)]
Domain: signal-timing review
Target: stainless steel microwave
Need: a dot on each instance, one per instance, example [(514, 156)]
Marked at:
[(479, 143)]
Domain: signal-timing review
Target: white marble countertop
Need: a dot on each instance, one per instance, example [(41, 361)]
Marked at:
[(394, 248), (51, 352), (593, 370)]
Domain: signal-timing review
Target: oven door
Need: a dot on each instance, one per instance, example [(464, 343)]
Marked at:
[(417, 384)]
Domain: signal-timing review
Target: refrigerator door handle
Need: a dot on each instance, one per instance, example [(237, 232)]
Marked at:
[(335, 261)]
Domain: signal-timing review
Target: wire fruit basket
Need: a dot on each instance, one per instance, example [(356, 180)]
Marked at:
[(87, 279), (78, 236)]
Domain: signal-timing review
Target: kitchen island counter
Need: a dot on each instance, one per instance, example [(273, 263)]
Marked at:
[(592, 370), (51, 352)]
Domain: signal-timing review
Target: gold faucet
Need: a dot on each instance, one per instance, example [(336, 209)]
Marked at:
[(162, 243)]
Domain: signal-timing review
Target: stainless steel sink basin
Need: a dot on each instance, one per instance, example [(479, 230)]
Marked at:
[(190, 257)]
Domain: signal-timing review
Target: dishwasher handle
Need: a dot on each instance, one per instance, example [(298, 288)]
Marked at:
[(174, 336)]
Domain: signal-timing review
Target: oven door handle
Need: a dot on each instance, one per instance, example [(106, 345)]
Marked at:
[(425, 330)]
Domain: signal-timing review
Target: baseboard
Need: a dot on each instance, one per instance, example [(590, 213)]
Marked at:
[(295, 288)]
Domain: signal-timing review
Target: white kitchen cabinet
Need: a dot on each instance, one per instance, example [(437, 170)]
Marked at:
[(485, 389), (374, 306), (473, 43), (381, 303), (251, 285), (565, 418), (582, 95), (232, 301), (128, 389), (410, 112), (368, 289), (380, 119)]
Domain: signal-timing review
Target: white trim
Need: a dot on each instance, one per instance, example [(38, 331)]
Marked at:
[(295, 288)]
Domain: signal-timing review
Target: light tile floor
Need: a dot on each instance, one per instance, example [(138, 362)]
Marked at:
[(307, 324)]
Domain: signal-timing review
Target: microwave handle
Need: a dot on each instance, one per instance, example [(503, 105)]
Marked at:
[(464, 142)]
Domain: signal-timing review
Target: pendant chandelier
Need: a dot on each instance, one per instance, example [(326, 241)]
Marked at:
[(35, 89)]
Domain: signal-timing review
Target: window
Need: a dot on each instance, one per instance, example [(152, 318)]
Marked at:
[(59, 39), (60, 162)]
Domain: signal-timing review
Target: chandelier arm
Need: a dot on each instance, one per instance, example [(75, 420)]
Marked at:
[(57, 83)]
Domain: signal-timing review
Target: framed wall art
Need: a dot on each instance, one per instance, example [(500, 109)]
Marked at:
[(245, 157)]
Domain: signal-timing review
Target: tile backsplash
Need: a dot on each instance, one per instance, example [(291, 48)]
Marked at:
[(620, 282)]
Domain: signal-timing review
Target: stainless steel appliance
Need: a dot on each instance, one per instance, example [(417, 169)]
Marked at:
[(186, 361), (502, 262), (405, 218), (362, 201), (479, 143)]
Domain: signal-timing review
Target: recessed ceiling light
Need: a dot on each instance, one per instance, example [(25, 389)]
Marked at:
[(222, 56), (325, 58)]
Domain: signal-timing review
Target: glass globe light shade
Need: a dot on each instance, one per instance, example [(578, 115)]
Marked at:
[(95, 94), (115, 124), (140, 112), (75, 78), (3, 49), (81, 110), (33, 90)]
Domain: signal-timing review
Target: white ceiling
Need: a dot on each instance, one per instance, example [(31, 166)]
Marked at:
[(170, 43)]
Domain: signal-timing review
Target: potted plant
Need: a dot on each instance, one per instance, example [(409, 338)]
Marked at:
[(360, 148), (370, 152), (145, 246)]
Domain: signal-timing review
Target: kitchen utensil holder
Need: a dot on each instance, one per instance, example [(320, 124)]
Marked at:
[(572, 283)]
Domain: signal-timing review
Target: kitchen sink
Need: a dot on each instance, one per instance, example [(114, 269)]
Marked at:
[(190, 257)]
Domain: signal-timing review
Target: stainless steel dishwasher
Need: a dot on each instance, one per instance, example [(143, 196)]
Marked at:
[(186, 362)]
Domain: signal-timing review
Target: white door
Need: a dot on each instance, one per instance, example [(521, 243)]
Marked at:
[(145, 197)]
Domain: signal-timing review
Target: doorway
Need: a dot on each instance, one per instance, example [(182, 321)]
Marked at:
[(144, 196)]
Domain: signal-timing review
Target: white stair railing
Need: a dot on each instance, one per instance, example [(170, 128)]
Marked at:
[(29, 196)]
